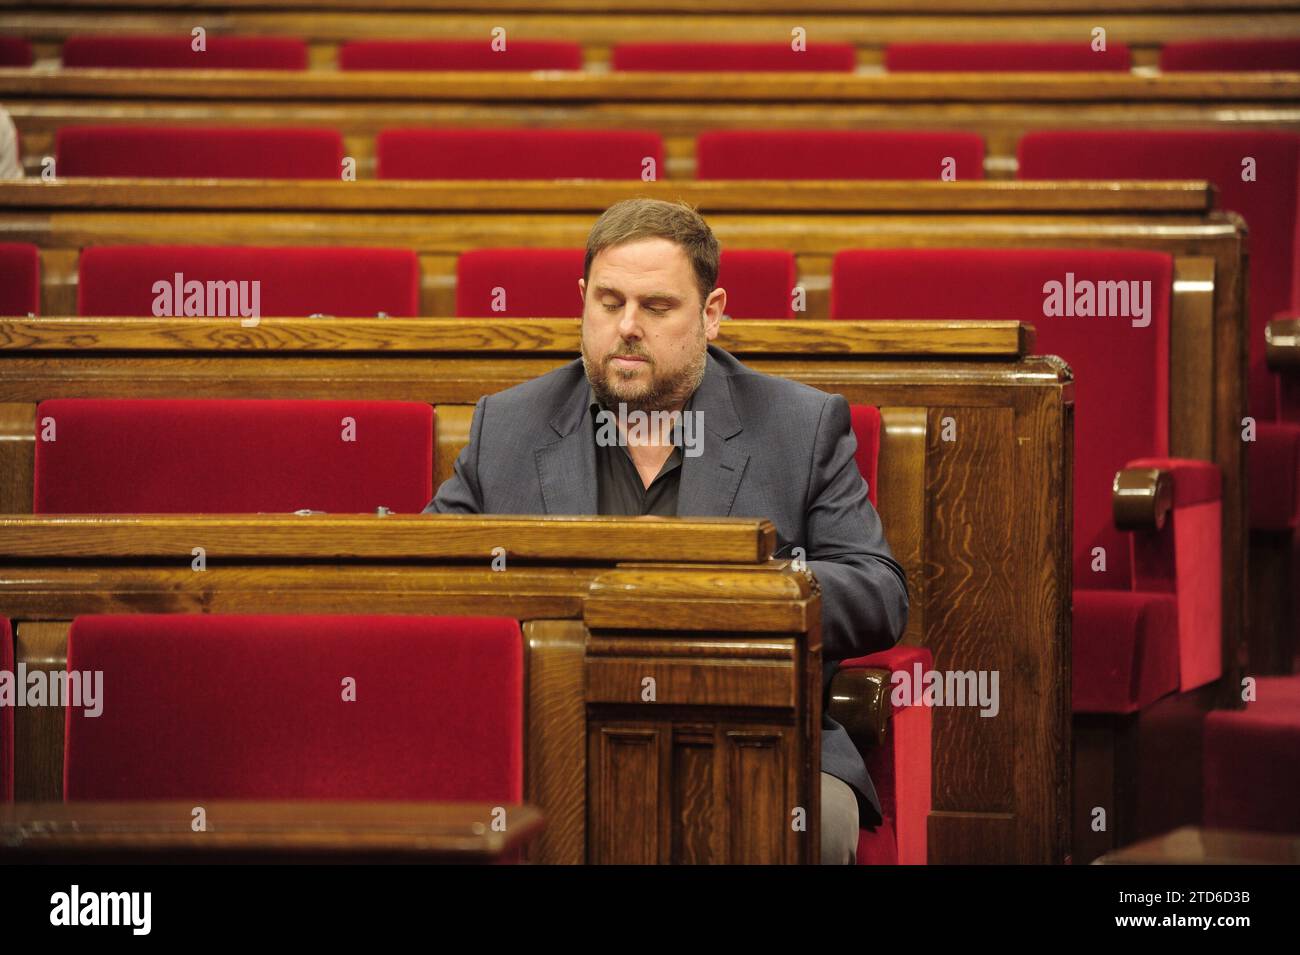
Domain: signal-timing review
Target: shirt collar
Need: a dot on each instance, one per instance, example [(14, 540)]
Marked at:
[(594, 405)]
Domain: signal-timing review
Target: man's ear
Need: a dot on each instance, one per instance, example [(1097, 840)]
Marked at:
[(714, 307), (582, 291)]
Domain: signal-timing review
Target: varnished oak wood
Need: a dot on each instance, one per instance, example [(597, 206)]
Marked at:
[(534, 335), (38, 730), (1175, 196), (246, 831), (1140, 27), (17, 457), (392, 537), (855, 7), (290, 88), (555, 763)]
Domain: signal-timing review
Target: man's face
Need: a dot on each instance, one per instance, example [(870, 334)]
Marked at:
[(644, 328)]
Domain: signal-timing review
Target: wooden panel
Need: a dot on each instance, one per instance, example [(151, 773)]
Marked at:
[(452, 433), (555, 764), (901, 502), (761, 809), (1191, 360), (701, 681), (970, 579), (17, 457), (699, 794), (624, 793), (38, 730)]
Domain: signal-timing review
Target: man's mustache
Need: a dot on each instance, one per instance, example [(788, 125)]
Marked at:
[(629, 354)]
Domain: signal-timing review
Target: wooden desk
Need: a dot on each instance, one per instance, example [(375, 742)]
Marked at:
[(1193, 845), (313, 832), (1001, 107), (732, 638)]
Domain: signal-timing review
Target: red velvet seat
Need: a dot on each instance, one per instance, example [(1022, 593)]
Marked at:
[(20, 279), (836, 154), (515, 153), (1149, 623), (1077, 57), (459, 55), (1269, 205), (537, 283), (733, 57), (147, 52), (15, 51), (1280, 55), (208, 456), (253, 707), (342, 282), (7, 714), (900, 768), (198, 152)]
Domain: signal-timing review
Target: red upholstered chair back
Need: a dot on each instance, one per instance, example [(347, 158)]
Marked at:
[(865, 421), (15, 51), (1281, 55), (543, 283), (1269, 203), (1121, 371), (200, 456), (1077, 57), (459, 55), (198, 152), (255, 707), (748, 57), (20, 279), (342, 282), (7, 714), (836, 154), (177, 52), (516, 153)]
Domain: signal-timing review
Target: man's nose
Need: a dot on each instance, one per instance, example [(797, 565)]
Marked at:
[(629, 327)]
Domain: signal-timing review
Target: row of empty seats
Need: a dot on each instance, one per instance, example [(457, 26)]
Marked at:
[(511, 153), (286, 53)]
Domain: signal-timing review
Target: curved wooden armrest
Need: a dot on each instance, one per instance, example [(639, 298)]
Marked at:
[(860, 703), (1282, 344), (1141, 498)]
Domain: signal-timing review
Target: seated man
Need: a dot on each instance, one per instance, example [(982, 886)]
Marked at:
[(764, 447)]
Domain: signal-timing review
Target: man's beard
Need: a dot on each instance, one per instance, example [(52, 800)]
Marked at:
[(659, 395)]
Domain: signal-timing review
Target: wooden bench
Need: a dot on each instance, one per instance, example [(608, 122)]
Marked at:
[(989, 580), (1143, 24), (1000, 107)]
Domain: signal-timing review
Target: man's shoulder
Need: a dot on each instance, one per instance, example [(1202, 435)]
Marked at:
[(752, 388), (542, 395)]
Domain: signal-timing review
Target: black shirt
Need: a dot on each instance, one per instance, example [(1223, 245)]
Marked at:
[(619, 488)]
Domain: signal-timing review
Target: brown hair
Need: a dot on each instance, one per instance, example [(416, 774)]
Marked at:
[(678, 222)]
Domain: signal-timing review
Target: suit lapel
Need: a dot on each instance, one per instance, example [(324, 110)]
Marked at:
[(566, 467), (709, 481)]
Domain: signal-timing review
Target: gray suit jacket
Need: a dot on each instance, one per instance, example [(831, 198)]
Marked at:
[(772, 448)]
